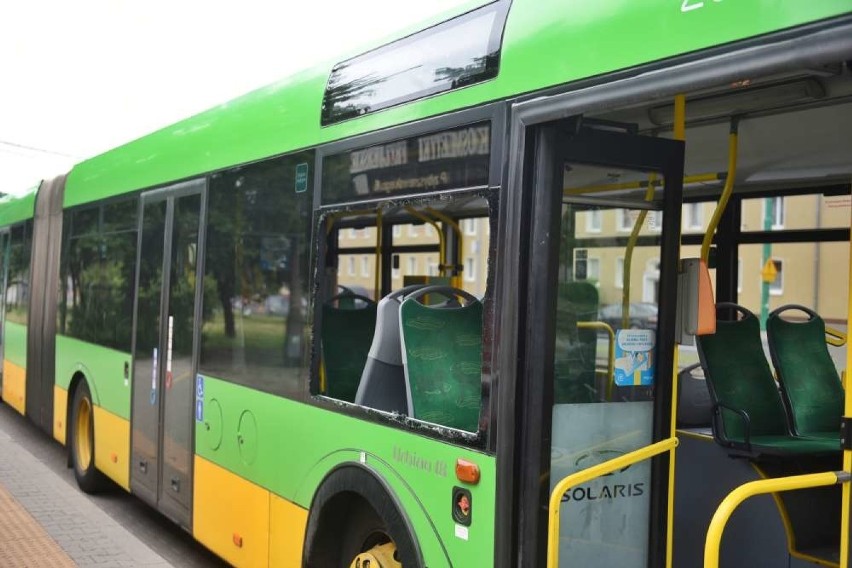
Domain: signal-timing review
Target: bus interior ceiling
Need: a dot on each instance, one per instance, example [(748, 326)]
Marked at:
[(794, 131)]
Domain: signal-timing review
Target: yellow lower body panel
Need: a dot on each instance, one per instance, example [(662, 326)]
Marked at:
[(231, 515), (112, 446), (60, 408), (287, 524), (15, 386)]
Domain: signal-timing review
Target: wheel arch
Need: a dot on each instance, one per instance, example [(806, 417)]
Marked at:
[(353, 485)]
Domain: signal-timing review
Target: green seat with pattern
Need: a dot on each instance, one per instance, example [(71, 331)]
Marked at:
[(348, 323), (442, 357), (809, 381), (748, 415)]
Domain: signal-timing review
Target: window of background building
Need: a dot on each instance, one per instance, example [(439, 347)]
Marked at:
[(469, 226), (775, 208), (365, 265), (619, 273), (470, 269), (776, 287), (412, 266), (594, 220), (694, 216), (625, 222)]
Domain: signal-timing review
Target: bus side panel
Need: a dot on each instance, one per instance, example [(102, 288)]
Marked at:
[(15, 366), (231, 515), (15, 386), (112, 447), (299, 444), (104, 369), (287, 523), (60, 407)]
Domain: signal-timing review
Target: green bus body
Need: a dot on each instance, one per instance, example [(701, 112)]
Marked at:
[(546, 44)]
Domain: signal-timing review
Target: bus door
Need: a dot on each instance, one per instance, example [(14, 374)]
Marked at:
[(4, 269), (603, 267), (167, 298)]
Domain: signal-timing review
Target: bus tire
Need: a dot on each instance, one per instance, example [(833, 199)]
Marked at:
[(352, 512), (82, 447)]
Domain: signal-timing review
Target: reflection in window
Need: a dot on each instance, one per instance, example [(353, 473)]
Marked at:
[(255, 288), (18, 279), (98, 274), (450, 55)]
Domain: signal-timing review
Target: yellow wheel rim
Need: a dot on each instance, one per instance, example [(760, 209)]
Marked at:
[(84, 433), (381, 556)]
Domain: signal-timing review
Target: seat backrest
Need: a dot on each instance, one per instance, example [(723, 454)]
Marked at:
[(809, 380), (346, 337), (739, 376), (443, 358), (576, 349), (382, 382)]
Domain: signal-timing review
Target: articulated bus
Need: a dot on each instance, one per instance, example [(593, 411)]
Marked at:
[(435, 303)]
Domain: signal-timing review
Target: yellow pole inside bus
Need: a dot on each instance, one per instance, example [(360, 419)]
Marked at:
[(679, 134), (846, 496)]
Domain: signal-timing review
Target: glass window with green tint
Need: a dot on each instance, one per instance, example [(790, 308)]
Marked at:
[(18, 284), (97, 273), (254, 329)]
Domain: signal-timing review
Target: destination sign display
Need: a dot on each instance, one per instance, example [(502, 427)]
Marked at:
[(437, 161)]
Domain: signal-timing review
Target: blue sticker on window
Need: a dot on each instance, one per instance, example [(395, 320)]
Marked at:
[(634, 357), (199, 410), (199, 387)]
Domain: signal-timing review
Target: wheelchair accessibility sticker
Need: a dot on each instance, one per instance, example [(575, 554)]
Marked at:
[(634, 357)]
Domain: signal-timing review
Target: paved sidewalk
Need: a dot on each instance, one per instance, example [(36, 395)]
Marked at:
[(44, 522)]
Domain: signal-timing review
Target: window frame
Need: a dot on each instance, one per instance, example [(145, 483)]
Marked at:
[(497, 115)]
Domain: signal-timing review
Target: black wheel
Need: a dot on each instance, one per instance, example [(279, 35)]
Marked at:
[(366, 533), (82, 442)]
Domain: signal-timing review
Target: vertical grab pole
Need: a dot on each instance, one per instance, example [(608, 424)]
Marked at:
[(377, 283), (733, 138), (679, 134), (846, 496)]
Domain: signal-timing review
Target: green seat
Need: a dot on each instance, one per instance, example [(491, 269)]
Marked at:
[(347, 333), (748, 415), (576, 349), (442, 348), (809, 381)]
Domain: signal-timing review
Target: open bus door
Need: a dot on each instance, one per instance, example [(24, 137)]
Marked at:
[(600, 342)]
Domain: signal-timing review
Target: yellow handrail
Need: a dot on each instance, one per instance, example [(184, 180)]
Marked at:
[(585, 475), (603, 326), (628, 254), (696, 178), (455, 280), (835, 337), (760, 487), (733, 137)]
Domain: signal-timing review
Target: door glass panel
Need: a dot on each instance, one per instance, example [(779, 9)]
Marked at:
[(605, 363), (148, 354), (178, 388)]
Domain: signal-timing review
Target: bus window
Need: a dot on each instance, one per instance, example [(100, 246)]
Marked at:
[(415, 355), (256, 276), (98, 273), (18, 287)]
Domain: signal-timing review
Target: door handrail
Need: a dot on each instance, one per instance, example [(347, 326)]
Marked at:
[(760, 487), (601, 469)]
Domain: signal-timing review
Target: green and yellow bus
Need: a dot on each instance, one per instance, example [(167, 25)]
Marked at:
[(428, 305)]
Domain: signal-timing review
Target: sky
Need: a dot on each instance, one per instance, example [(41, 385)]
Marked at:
[(78, 78)]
